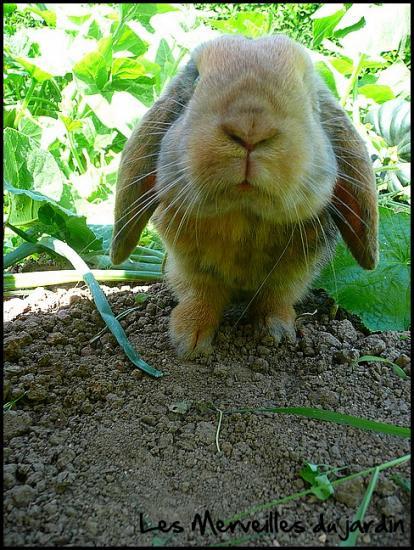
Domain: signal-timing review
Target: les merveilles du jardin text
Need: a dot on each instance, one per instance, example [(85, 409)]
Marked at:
[(275, 524)]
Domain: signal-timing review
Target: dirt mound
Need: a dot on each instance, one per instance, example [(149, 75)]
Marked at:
[(96, 452)]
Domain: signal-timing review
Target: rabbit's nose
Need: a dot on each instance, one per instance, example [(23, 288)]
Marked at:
[(248, 138)]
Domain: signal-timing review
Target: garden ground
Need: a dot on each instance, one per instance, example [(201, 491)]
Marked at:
[(94, 442)]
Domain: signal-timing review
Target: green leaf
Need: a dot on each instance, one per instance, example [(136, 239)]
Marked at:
[(249, 24), (326, 19), (47, 15), (322, 488), (309, 472), (48, 217), (380, 297), (34, 71), (94, 68), (343, 31), (26, 166), (124, 68), (9, 8), (379, 93), (144, 12), (129, 41), (332, 416)]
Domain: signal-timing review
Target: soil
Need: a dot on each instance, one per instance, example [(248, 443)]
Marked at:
[(96, 452)]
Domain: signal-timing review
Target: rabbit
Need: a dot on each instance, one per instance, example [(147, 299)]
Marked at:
[(250, 170)]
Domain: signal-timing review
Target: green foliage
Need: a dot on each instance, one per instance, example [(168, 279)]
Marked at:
[(78, 77), (380, 297), (320, 484)]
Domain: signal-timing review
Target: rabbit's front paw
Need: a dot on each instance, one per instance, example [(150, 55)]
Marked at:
[(275, 319), (192, 327), (280, 329)]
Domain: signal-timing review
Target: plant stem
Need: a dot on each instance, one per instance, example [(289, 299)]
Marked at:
[(353, 79), (18, 281), (25, 103)]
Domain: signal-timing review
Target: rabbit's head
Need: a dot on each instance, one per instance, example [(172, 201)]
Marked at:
[(248, 125)]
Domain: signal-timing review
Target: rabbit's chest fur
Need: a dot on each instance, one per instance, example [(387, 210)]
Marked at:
[(241, 249)]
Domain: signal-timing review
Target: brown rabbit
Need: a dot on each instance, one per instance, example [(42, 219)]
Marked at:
[(251, 167)]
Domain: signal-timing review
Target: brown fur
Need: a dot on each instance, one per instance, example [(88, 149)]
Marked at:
[(247, 185)]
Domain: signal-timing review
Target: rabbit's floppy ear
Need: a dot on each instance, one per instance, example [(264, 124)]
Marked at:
[(135, 199), (354, 202)]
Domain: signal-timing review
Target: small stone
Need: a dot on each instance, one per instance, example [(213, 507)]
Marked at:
[(165, 440), (37, 392), (403, 360), (346, 356), (12, 345), (22, 495), (16, 423), (373, 345), (350, 493), (260, 365), (91, 527), (328, 339), (386, 487), (63, 480), (221, 371), (263, 351), (56, 338), (87, 351), (268, 340), (114, 400), (137, 374), (9, 476), (185, 486), (390, 506), (346, 332), (6, 389), (205, 432), (149, 420)]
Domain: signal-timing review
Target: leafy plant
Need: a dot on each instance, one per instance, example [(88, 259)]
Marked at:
[(321, 486), (380, 297)]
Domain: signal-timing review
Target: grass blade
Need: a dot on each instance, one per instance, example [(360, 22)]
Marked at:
[(363, 507), (332, 416), (374, 359), (101, 302)]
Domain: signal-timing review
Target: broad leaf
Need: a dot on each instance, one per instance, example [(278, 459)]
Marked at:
[(26, 166), (380, 297), (378, 92), (144, 12), (94, 68), (130, 41), (326, 19), (48, 217)]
